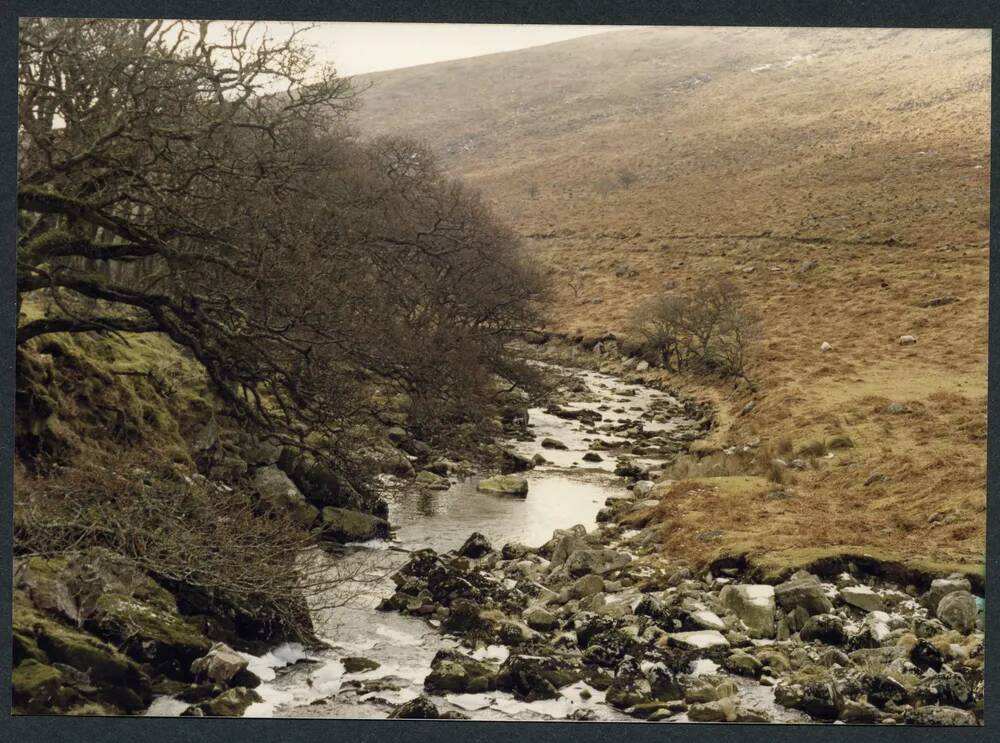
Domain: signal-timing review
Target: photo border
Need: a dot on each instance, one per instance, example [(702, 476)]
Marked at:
[(846, 13)]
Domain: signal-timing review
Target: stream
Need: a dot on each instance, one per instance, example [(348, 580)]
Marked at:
[(564, 492)]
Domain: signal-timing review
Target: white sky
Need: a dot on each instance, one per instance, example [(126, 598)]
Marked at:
[(357, 48)]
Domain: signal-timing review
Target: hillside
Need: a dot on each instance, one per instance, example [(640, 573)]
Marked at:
[(841, 177)]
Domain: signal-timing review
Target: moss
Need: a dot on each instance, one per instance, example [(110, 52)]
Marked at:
[(231, 703), (35, 683), (129, 616), (345, 525)]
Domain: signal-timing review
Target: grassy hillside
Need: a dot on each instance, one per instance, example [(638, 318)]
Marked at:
[(841, 177)]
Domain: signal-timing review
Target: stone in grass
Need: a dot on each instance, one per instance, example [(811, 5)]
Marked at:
[(504, 485)]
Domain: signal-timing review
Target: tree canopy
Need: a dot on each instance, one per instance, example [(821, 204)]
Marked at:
[(205, 184)]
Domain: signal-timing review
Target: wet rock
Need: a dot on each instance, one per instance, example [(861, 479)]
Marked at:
[(805, 592), (462, 617), (230, 703), (534, 677), (511, 462), (820, 699), (709, 688), (344, 525), (592, 456), (420, 708), (958, 611), (220, 664), (549, 443), (754, 605), (862, 597), (431, 481), (710, 712), (743, 664), (356, 664), (939, 716), (504, 485), (825, 628), (588, 625), (475, 546), (451, 671)]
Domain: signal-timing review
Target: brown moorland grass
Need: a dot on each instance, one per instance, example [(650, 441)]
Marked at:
[(839, 176)]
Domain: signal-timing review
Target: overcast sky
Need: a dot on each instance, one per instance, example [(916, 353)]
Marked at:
[(356, 48)]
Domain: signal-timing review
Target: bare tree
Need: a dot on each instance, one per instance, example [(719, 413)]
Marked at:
[(710, 330)]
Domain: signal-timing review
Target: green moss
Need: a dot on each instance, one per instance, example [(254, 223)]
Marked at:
[(34, 682), (144, 620), (345, 525), (231, 703)]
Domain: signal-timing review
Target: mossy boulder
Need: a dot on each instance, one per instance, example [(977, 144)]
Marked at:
[(344, 525), (35, 686), (504, 485), (150, 633), (230, 703)]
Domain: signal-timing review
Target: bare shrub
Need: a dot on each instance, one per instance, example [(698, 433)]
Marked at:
[(185, 532), (710, 330)]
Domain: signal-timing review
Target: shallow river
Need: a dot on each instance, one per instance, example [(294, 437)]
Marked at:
[(565, 492)]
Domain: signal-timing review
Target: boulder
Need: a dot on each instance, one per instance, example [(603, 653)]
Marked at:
[(945, 688), (924, 655), (344, 525), (504, 485), (599, 561), (511, 462), (549, 443), (700, 640), (754, 605), (587, 585), (958, 611), (707, 620), (533, 677), (941, 587), (475, 546), (805, 591), (230, 703), (862, 597), (420, 708), (357, 664), (541, 620), (451, 671), (279, 494), (220, 664), (825, 628)]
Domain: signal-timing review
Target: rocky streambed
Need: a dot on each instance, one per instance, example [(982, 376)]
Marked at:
[(545, 606)]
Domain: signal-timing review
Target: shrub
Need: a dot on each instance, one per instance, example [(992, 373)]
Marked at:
[(708, 331)]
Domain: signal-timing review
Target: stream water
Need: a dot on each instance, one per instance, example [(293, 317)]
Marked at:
[(564, 492)]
